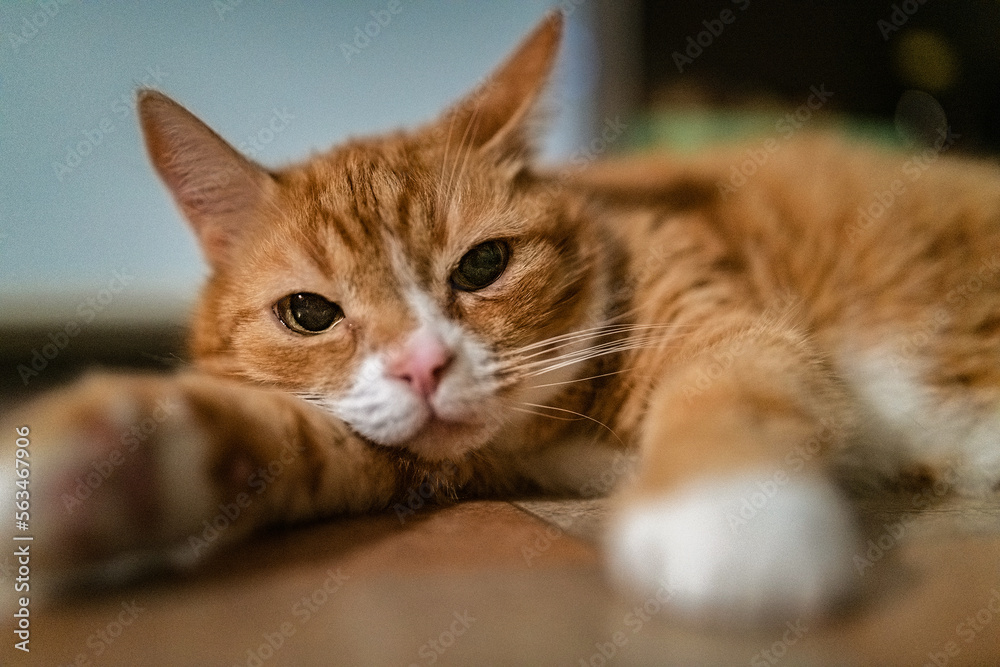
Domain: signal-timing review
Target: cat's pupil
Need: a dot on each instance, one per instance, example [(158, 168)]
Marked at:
[(306, 312), (481, 266)]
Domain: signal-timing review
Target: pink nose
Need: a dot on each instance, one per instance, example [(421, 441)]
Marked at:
[(421, 363)]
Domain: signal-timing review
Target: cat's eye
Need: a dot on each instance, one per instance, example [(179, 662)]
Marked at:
[(307, 313), (481, 266)]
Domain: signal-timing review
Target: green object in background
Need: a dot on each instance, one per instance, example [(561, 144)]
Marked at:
[(693, 130)]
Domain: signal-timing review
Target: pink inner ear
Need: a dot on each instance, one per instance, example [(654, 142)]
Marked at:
[(422, 362), (217, 188)]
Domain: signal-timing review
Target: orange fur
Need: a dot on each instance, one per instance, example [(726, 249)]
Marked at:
[(734, 319)]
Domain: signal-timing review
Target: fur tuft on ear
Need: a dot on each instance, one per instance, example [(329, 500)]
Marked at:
[(216, 187), (497, 116)]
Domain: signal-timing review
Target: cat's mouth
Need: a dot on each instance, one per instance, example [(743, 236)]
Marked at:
[(427, 429)]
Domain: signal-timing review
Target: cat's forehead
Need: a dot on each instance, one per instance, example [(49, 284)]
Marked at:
[(366, 198)]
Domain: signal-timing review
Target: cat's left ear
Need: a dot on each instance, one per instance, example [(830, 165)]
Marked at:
[(497, 118), (218, 189)]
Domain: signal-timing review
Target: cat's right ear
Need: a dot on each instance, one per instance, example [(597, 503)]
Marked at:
[(499, 116), (216, 187)]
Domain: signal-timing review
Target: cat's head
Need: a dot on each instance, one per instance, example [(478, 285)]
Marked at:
[(397, 281)]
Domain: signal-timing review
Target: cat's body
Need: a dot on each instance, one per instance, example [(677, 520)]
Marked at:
[(902, 307), (486, 330)]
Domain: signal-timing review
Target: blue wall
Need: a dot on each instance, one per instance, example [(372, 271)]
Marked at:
[(68, 71)]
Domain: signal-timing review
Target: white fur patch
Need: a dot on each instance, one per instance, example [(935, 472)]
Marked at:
[(792, 554), (385, 409), (905, 422), (380, 407)]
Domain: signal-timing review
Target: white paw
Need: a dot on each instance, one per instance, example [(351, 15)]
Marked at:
[(741, 548)]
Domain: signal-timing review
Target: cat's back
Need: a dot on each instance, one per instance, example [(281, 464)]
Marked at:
[(889, 261), (865, 235)]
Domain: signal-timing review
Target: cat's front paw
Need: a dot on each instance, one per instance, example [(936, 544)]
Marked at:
[(119, 472), (740, 549)]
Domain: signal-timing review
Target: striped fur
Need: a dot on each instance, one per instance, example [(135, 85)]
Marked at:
[(738, 341)]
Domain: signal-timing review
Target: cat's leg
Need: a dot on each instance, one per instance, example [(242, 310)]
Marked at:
[(131, 471), (733, 508)]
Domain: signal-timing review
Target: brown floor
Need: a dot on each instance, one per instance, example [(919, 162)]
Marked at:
[(496, 583)]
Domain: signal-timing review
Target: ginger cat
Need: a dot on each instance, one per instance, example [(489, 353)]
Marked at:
[(427, 310)]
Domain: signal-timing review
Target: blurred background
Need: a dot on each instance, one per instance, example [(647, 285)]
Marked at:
[(88, 236)]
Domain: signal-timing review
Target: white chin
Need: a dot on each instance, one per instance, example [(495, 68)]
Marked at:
[(392, 428)]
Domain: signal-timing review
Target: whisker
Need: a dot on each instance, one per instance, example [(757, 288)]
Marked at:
[(459, 167), (601, 349), (524, 358), (441, 191), (542, 414), (570, 338), (578, 414), (591, 377), (577, 360)]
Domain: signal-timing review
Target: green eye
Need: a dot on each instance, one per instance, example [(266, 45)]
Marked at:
[(481, 266), (307, 313)]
